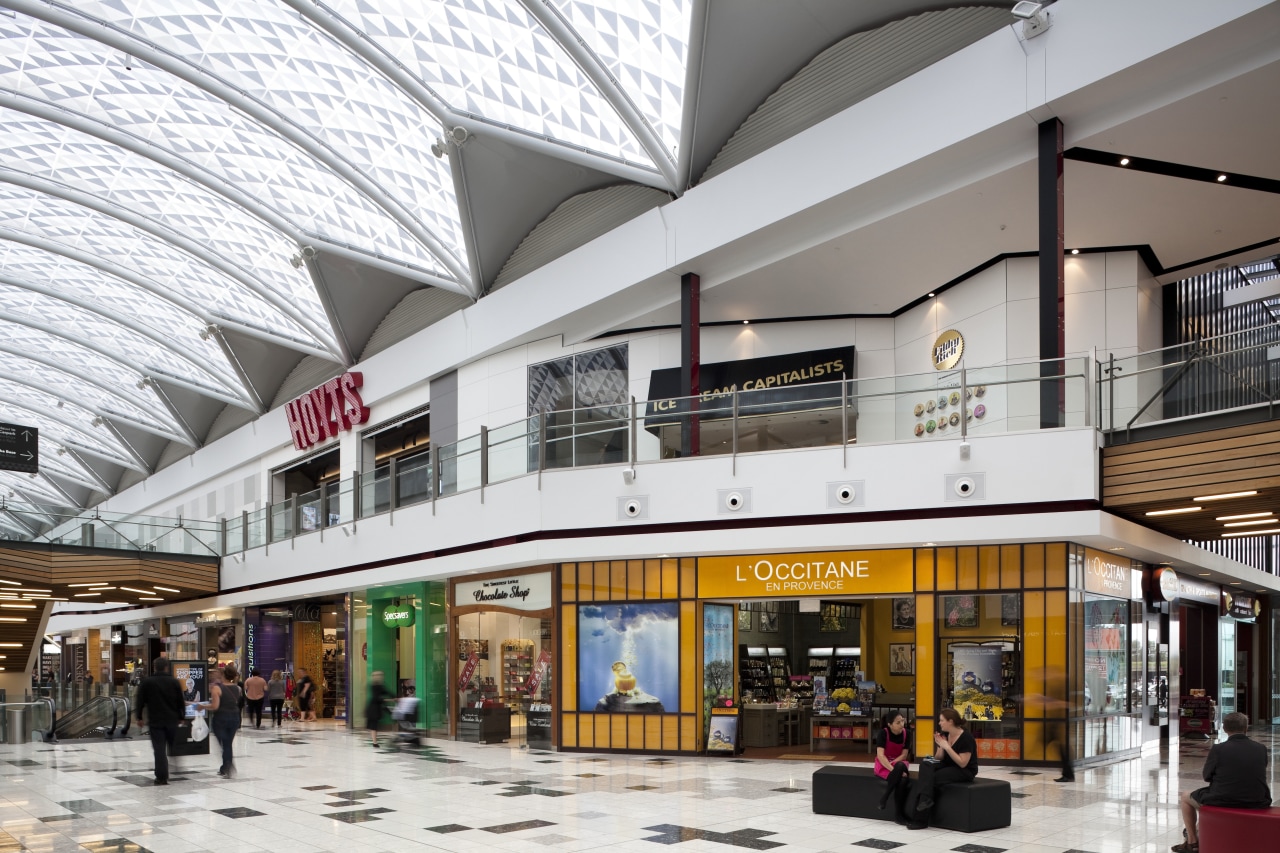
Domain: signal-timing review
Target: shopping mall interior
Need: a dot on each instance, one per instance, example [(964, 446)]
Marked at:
[(630, 390)]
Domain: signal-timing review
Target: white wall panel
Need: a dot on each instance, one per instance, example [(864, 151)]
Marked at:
[(1121, 319), (1022, 319), (1084, 273)]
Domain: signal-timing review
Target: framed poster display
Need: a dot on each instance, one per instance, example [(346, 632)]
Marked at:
[(902, 659), (723, 737), (904, 613), (744, 620), (960, 611)]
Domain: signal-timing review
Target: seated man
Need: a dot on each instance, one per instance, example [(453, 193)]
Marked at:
[(1236, 771)]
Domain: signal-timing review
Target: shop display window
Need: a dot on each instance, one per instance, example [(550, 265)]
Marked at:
[(504, 660), (982, 654), (1106, 656)]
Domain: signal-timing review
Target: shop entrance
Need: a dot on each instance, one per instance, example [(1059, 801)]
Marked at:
[(504, 678), (816, 677)]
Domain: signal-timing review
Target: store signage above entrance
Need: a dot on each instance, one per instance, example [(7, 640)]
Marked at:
[(321, 413), (1166, 585), (777, 384), (398, 616), (948, 350), (1108, 575), (19, 448), (521, 592), (1241, 605), (789, 575), (1194, 590)]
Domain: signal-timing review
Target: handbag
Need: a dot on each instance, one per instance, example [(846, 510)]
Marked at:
[(199, 729)]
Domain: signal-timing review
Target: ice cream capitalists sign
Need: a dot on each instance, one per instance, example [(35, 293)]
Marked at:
[(321, 413)]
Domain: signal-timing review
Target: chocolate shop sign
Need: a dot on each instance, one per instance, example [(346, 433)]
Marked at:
[(521, 592)]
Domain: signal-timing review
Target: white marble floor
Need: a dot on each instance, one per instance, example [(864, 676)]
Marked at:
[(321, 788)]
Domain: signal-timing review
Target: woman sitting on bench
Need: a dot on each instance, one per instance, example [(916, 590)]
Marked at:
[(893, 760), (956, 760)]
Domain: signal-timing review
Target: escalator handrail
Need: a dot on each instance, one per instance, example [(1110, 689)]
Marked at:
[(118, 703), (84, 709), (39, 700)]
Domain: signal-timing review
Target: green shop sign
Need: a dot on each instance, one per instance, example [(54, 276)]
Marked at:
[(397, 616)]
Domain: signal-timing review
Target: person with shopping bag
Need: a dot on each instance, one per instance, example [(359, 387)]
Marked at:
[(224, 705), (159, 698)]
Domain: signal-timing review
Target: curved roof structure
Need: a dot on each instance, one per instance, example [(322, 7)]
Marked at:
[(195, 197)]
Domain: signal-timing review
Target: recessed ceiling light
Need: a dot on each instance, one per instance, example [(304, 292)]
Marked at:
[(1225, 495), (10, 583), (98, 583), (1235, 583), (13, 619), (746, 322), (150, 598), (1251, 532), (18, 606), (85, 594), (1204, 574), (1221, 178), (931, 544), (1242, 515), (1075, 251), (139, 591), (1179, 511), (932, 295), (1256, 521), (1124, 161), (166, 589), (10, 645)]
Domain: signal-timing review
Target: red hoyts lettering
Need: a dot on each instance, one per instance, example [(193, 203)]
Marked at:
[(356, 410), (296, 429), (323, 412), (324, 418)]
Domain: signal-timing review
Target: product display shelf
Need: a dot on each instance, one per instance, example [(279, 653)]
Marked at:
[(779, 670), (753, 673), (1009, 684), (517, 667), (819, 665), (845, 668), (802, 688)]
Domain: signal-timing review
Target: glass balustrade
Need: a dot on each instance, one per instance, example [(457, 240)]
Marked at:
[(935, 406)]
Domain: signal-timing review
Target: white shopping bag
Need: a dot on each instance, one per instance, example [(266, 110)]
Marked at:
[(199, 729)]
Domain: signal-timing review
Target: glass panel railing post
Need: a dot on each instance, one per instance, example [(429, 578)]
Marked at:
[(544, 421), (631, 438), (733, 429), (844, 420), (244, 530), (270, 523), (484, 460), (393, 471), (435, 474), (964, 402), (222, 537)]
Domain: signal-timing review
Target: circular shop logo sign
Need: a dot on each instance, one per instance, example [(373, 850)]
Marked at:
[(1168, 584), (947, 350), (398, 617)]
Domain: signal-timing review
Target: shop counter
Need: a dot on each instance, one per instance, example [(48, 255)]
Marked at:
[(484, 725), (769, 725), (840, 730)]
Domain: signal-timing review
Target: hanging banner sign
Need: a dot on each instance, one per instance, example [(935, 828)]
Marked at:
[(321, 413), (539, 670), (468, 670), (823, 573)]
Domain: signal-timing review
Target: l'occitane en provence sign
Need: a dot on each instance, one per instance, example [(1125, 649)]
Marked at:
[(822, 573)]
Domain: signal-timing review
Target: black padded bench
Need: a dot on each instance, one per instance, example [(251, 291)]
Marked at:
[(963, 807)]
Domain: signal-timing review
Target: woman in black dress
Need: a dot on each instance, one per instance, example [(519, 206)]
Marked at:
[(955, 760), (377, 707)]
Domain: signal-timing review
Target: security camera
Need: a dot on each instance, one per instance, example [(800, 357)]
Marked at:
[(845, 494), (733, 501), (1026, 9), (628, 475), (1035, 20), (460, 135), (632, 508), (965, 487)]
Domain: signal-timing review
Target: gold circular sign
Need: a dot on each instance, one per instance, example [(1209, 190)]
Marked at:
[(947, 350)]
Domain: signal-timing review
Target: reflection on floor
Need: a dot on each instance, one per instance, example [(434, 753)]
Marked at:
[(321, 788)]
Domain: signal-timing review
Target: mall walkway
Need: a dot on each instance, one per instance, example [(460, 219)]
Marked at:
[(320, 788)]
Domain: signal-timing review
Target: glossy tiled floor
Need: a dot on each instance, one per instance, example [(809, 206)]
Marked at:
[(319, 788)]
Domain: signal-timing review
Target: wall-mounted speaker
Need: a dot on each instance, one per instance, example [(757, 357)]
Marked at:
[(846, 494), (965, 487), (730, 501), (633, 508)]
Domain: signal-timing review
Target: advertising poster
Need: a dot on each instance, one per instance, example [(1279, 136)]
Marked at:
[(723, 735), (717, 658), (976, 672), (629, 657), (194, 678)]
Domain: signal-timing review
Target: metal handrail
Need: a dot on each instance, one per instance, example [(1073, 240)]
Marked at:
[(39, 701)]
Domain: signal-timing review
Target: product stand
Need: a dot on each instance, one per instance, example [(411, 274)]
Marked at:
[(753, 672), (538, 726), (484, 725)]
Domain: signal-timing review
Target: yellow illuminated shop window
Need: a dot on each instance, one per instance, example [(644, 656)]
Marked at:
[(1033, 566), (967, 567), (569, 582), (1010, 566), (1055, 564), (924, 569), (946, 568), (989, 567)]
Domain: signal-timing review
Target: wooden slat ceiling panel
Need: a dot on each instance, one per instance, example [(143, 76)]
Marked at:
[(1168, 473)]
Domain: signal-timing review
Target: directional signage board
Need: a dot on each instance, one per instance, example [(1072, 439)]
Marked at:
[(19, 448)]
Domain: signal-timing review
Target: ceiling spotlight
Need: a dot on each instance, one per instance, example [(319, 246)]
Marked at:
[(1075, 251), (1225, 495), (296, 261), (1035, 20), (1124, 161), (746, 322), (208, 332), (460, 135), (62, 451), (932, 295), (309, 252), (1221, 178), (439, 148), (145, 382), (98, 421)]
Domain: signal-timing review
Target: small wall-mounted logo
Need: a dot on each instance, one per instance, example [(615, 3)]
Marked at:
[(398, 616), (947, 350)]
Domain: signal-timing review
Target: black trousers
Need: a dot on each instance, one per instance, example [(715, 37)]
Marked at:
[(899, 785), (162, 739), (255, 711), (1058, 735), (931, 777), (277, 711)]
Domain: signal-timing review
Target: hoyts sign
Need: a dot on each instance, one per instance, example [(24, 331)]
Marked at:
[(323, 412)]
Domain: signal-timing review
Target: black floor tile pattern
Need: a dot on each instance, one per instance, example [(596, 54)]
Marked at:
[(361, 794), (342, 804), (359, 815), (750, 839), (787, 790), (504, 828), (238, 812), (586, 776), (84, 806), (58, 817), (878, 844), (1023, 773), (642, 788), (1019, 796), (447, 828), (978, 848), (25, 762), (486, 782), (527, 790), (114, 845), (317, 787)]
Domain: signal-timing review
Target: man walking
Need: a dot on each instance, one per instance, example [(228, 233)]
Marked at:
[(160, 698), (1236, 771)]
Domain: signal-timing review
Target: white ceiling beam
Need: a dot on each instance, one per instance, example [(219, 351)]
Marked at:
[(362, 46), (692, 91), (127, 459), (607, 85), (205, 80), (197, 250)]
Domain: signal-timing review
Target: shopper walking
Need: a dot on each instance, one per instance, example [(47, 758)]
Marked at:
[(275, 695), (160, 700), (305, 695), (377, 707), (224, 719), (255, 693)]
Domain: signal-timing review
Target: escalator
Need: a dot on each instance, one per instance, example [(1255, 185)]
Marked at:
[(100, 717)]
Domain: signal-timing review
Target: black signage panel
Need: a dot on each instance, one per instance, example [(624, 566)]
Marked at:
[(19, 448), (778, 383)]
